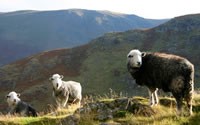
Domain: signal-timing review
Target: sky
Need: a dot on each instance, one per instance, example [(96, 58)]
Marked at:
[(154, 9)]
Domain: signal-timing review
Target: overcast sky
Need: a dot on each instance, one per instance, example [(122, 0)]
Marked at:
[(156, 9)]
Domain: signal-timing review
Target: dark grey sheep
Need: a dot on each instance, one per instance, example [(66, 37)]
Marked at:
[(16, 106), (170, 73)]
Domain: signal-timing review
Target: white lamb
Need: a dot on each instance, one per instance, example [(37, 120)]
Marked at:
[(65, 90)]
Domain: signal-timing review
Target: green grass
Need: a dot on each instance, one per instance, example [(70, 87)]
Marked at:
[(47, 119), (165, 115)]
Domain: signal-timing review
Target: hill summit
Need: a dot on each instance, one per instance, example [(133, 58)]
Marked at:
[(23, 33)]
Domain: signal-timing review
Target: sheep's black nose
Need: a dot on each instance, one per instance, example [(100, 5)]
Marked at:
[(139, 63), (57, 85), (14, 100)]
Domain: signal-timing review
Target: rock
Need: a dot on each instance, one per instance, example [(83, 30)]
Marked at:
[(140, 109), (70, 120), (106, 110), (122, 103), (104, 117), (167, 102), (120, 114)]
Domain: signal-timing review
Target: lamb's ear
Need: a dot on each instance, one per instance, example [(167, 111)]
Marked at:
[(18, 95), (143, 54), (61, 76)]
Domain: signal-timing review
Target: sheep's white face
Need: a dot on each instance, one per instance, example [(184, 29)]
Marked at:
[(13, 98), (135, 58), (56, 79)]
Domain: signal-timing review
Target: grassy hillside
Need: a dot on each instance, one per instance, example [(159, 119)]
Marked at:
[(101, 64), (164, 114), (35, 31)]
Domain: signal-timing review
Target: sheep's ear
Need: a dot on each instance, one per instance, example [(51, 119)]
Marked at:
[(61, 76), (18, 95), (143, 54), (50, 79), (127, 55)]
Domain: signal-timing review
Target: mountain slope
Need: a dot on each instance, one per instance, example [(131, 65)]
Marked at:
[(43, 30), (101, 64)]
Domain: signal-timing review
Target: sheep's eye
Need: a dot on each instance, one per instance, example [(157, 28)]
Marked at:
[(130, 56), (8, 96)]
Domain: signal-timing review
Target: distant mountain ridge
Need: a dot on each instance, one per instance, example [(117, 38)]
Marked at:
[(35, 31), (101, 64)]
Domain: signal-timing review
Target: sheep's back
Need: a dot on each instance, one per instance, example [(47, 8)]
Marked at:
[(73, 87), (158, 70)]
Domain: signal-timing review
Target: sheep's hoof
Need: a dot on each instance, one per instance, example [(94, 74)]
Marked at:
[(59, 108), (151, 104), (187, 115)]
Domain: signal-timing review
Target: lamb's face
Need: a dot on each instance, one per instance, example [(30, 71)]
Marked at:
[(135, 58), (56, 79), (13, 98)]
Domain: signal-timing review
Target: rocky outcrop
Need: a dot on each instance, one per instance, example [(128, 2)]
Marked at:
[(109, 109)]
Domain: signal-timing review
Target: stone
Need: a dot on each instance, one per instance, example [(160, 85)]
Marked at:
[(69, 120), (140, 109)]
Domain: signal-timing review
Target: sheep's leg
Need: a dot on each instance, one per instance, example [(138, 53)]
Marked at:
[(177, 86), (77, 100), (24, 113), (57, 100), (179, 101), (189, 103), (66, 100), (156, 96), (189, 94), (79, 103), (74, 101), (58, 104), (151, 98), (64, 103), (11, 111)]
